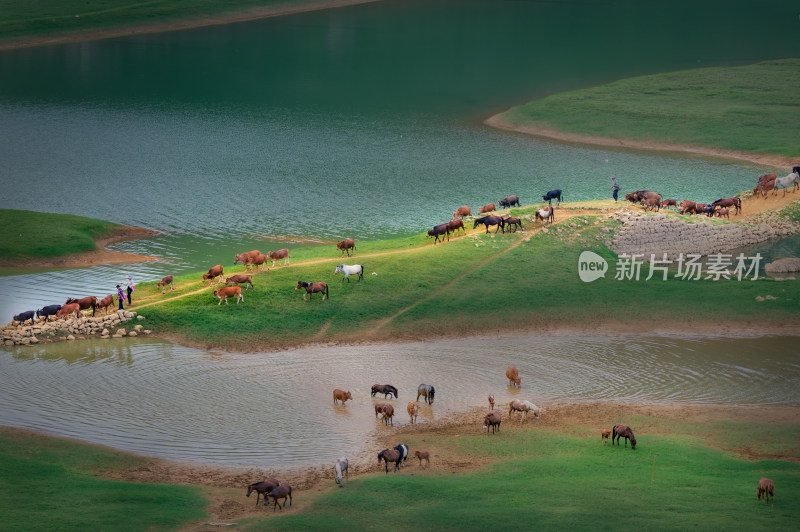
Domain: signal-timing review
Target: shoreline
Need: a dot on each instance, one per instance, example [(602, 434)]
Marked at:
[(775, 161), (182, 24)]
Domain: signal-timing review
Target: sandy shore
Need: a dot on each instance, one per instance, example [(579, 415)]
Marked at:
[(775, 161)]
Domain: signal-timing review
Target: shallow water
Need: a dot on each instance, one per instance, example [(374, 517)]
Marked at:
[(275, 409)]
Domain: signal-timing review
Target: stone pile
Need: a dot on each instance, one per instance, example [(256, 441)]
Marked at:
[(108, 326)]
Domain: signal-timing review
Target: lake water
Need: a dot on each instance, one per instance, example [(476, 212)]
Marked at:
[(275, 409)]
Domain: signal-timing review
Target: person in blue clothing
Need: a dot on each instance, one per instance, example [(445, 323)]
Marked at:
[(614, 187), (120, 296)]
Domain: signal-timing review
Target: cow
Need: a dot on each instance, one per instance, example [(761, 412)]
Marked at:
[(766, 487), (166, 280), (553, 194), (341, 395), (245, 257), (513, 376), (105, 303), (239, 279), (228, 291), (461, 212), (722, 211), (486, 208), (455, 225), (49, 310), (347, 246), (275, 256), (438, 231), (213, 272), (88, 302), (508, 201), (490, 220), (22, 317), (651, 204), (259, 260), (66, 310), (688, 207), (667, 203)]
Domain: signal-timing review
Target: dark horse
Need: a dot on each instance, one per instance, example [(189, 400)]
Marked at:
[(284, 491), (729, 202), (312, 288), (385, 389), (390, 455), (623, 431), (262, 488), (427, 391), (490, 220)]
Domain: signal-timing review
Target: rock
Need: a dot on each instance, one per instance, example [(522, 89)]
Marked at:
[(132, 333), (791, 264), (120, 332), (105, 332), (138, 327), (773, 298), (70, 337), (147, 331)]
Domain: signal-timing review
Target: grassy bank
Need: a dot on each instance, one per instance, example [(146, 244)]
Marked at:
[(27, 235), (752, 109), (54, 484)]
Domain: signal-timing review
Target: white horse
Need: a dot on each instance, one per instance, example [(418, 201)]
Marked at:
[(791, 180), (348, 270), (523, 406), (339, 468)]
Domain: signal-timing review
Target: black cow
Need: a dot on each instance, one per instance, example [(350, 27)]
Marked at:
[(508, 201), (438, 231), (553, 194), (22, 317), (796, 170), (49, 310)]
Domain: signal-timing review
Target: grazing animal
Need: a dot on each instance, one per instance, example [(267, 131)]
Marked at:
[(516, 221), (240, 278), (523, 406), (766, 183), (427, 391), (423, 455), (486, 208), (275, 256), (402, 448), (729, 202), (347, 246), (766, 488), (105, 303), (262, 488), (462, 211), (667, 203), (792, 180), (513, 376), (88, 302), (553, 194), (283, 491), (688, 207), (455, 225), (228, 291), (708, 210), (491, 401), (651, 204), (49, 310), (341, 395), (213, 273), (490, 220), (546, 215), (623, 431), (379, 409), (386, 389), (605, 434), (508, 201), (492, 419), (166, 280), (22, 317), (245, 258), (260, 260), (438, 231), (66, 310), (339, 468), (313, 288), (722, 211), (390, 455), (388, 414), (348, 270), (413, 410)]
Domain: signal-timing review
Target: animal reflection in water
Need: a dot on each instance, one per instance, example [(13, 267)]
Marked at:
[(427, 392)]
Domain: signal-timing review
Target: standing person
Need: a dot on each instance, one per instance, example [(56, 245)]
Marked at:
[(614, 187), (120, 296), (130, 287)]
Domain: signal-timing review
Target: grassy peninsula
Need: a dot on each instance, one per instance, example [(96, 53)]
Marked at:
[(752, 109)]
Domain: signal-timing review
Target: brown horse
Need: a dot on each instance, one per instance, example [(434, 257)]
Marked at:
[(313, 288), (262, 488), (379, 409), (766, 488), (423, 455), (341, 395), (623, 431), (688, 207), (736, 203), (388, 414), (545, 215), (513, 377), (413, 410), (492, 419), (390, 455), (105, 303), (722, 211), (84, 303), (516, 221), (386, 389), (283, 491)]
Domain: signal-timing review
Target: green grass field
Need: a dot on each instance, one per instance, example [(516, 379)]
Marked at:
[(752, 108)]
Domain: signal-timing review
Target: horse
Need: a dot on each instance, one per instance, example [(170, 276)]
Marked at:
[(516, 221), (513, 376), (722, 211), (402, 448), (84, 303), (388, 414), (427, 391), (455, 225), (348, 270), (438, 231), (490, 220), (423, 455), (313, 288), (390, 455), (283, 491), (623, 431), (491, 401), (386, 389), (413, 410), (729, 202), (341, 395), (492, 419), (766, 488), (605, 434), (262, 488), (105, 303), (791, 180), (523, 406), (545, 215), (339, 468)]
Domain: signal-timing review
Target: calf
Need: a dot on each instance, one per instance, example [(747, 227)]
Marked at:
[(722, 211), (70, 308), (413, 410), (669, 203), (22, 317), (461, 212), (515, 221), (283, 491), (229, 291), (688, 207), (605, 434), (239, 279), (167, 280), (213, 273), (486, 208), (105, 303), (651, 204), (49, 310), (347, 246), (275, 256), (260, 261), (423, 455), (341, 395)]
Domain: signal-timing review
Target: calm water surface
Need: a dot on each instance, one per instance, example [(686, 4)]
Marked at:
[(275, 409)]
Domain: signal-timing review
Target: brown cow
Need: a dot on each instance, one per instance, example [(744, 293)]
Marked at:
[(245, 257), (239, 279), (413, 410), (605, 434), (688, 207), (88, 302), (492, 419), (105, 303), (455, 225), (213, 272), (66, 310), (667, 203), (258, 260), (277, 255), (341, 395), (651, 204), (766, 488), (722, 211), (486, 208), (167, 280), (423, 455), (513, 376), (461, 212), (229, 291), (346, 246), (388, 414)]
